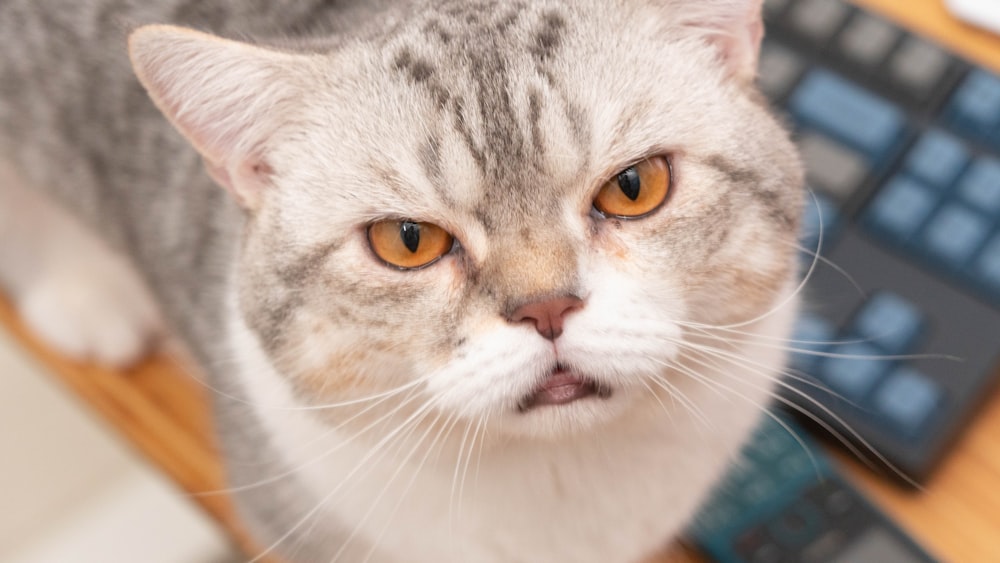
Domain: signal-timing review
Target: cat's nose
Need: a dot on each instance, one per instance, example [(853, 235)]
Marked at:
[(547, 315)]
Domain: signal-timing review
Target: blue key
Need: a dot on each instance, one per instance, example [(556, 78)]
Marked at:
[(955, 234), (980, 186), (847, 111), (901, 208), (889, 321), (975, 107), (908, 398), (812, 334), (855, 370), (988, 264), (937, 159)]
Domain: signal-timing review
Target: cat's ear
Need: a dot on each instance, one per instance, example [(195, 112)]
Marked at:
[(225, 97), (734, 27)]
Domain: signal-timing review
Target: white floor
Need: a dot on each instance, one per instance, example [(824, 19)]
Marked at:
[(72, 492)]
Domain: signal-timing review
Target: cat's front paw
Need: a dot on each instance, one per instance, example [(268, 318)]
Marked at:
[(92, 315)]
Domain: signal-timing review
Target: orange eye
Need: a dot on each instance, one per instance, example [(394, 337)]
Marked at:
[(636, 191), (407, 244)]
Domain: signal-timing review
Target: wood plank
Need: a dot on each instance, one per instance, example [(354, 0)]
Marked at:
[(158, 408)]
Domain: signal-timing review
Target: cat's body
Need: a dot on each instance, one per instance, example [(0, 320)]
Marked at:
[(496, 120)]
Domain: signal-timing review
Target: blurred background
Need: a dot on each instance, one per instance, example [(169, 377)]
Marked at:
[(72, 491)]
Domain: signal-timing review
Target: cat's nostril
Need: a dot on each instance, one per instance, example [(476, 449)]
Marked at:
[(548, 315)]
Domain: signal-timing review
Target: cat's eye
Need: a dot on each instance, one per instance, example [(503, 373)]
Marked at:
[(408, 244), (636, 191)]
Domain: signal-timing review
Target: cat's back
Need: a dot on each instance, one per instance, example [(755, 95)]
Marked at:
[(76, 122), (66, 85)]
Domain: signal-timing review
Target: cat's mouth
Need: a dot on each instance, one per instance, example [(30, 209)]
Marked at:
[(562, 387)]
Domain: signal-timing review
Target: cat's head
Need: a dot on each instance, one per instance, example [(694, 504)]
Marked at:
[(518, 211)]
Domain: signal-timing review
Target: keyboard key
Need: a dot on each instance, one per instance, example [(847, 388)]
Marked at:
[(980, 186), (770, 445), (836, 169), (757, 546), (919, 66), (759, 490), (818, 19), (955, 234), (889, 321), (988, 264), (778, 70), (901, 208), (848, 112), (796, 465), (938, 158), (798, 525), (812, 334), (718, 515), (868, 39), (855, 370), (975, 107), (908, 398)]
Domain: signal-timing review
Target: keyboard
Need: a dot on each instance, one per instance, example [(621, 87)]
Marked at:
[(898, 341), (783, 502)]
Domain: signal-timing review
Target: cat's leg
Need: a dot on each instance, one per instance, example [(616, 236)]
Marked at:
[(70, 288)]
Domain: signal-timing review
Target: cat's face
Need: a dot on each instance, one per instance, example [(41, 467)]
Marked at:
[(500, 125)]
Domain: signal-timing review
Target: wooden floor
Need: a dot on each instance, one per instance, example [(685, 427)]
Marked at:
[(158, 407)]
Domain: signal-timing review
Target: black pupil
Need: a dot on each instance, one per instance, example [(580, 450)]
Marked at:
[(629, 182), (410, 233)]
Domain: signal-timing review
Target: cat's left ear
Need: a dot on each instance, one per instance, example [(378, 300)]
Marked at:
[(227, 98), (734, 27)]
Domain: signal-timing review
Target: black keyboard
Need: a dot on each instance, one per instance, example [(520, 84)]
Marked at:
[(901, 141), (783, 502)]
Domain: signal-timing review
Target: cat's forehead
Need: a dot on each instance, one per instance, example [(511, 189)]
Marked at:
[(489, 27), (507, 112), (501, 87)]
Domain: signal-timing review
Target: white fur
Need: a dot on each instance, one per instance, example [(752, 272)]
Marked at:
[(75, 293), (602, 481), (317, 146), (526, 500)]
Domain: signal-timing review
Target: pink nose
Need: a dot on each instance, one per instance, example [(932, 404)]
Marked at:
[(548, 315)]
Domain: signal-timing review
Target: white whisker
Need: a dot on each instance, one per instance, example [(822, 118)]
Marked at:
[(392, 479), (445, 430), (419, 414), (762, 409), (685, 401), (317, 459), (822, 408)]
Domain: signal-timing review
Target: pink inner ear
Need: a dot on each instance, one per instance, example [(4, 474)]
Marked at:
[(756, 33), (741, 49), (735, 28), (245, 182), (220, 175)]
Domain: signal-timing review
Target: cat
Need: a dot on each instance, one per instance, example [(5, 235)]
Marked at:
[(472, 281)]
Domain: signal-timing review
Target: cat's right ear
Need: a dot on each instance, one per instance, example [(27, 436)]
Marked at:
[(734, 27), (225, 97)]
